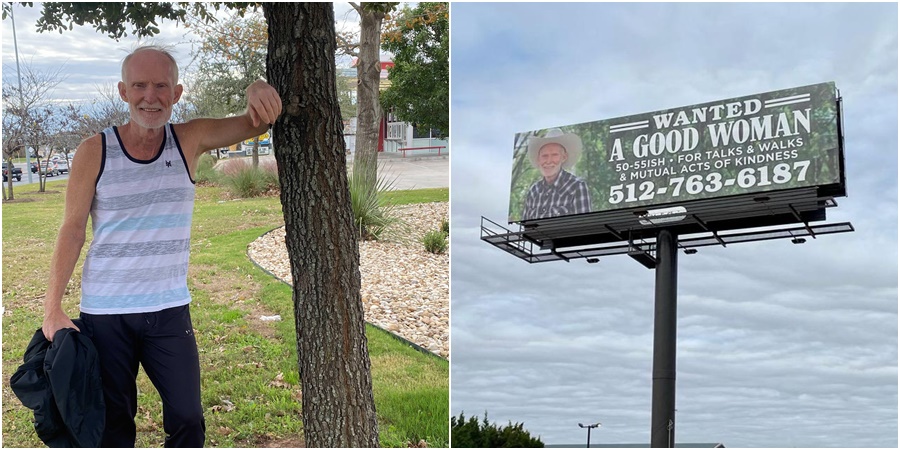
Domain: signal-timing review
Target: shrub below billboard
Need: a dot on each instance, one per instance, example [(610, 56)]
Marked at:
[(772, 141)]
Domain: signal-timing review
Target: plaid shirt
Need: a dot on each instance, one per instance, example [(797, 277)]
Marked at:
[(568, 194)]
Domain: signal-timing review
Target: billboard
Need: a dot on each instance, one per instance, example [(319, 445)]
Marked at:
[(776, 140)]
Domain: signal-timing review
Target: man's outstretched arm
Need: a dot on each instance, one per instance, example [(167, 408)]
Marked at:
[(200, 135)]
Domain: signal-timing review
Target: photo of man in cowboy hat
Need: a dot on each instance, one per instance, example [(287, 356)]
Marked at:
[(558, 192)]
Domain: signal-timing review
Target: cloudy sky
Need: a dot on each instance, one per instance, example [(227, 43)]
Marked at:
[(89, 58), (779, 345)]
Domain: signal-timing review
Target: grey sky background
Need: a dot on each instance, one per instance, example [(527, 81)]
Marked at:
[(779, 345), (90, 58)]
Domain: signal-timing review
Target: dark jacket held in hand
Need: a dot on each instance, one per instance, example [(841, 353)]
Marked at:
[(60, 381)]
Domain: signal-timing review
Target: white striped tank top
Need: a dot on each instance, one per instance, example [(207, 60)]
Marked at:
[(141, 219)]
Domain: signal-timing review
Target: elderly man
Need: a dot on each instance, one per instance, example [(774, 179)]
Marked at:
[(558, 193), (136, 182)]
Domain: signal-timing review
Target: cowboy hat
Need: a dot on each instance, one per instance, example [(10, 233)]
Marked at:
[(571, 142)]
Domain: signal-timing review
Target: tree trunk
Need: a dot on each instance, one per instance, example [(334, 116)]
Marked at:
[(368, 75), (335, 374), (42, 175), (9, 179), (255, 158)]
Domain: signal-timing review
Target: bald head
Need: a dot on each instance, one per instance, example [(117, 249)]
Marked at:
[(150, 86), (158, 51)]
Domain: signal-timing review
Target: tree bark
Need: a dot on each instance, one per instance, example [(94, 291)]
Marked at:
[(255, 158), (333, 358), (42, 174), (368, 75), (9, 179)]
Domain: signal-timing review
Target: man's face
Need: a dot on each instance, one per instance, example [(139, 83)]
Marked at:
[(150, 88), (551, 158)]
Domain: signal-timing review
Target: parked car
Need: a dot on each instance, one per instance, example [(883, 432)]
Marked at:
[(49, 167), (62, 166), (16, 173)]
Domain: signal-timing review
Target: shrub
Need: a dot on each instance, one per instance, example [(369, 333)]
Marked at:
[(472, 433), (205, 171), (233, 167), (371, 214), (244, 180), (445, 227), (435, 241), (269, 166)]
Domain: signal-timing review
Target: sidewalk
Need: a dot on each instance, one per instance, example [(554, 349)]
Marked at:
[(411, 172), (415, 172)]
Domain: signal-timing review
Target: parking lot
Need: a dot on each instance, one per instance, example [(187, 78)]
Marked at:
[(29, 177), (417, 172)]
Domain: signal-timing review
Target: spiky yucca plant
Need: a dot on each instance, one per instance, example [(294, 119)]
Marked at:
[(371, 213)]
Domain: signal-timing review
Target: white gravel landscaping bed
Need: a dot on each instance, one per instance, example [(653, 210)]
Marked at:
[(405, 289)]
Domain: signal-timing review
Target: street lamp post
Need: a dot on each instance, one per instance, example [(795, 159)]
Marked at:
[(589, 426), (12, 18)]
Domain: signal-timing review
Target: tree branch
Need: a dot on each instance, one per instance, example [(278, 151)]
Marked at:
[(346, 45)]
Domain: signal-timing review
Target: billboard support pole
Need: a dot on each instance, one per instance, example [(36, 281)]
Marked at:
[(662, 426)]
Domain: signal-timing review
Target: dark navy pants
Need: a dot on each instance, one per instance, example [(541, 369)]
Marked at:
[(163, 343)]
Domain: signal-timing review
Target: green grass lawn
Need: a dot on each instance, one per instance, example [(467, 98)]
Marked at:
[(251, 392), (418, 196)]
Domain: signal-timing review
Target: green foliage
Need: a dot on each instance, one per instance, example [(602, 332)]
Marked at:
[(346, 88), (523, 176), (245, 181), (435, 241), (232, 55), (472, 433), (205, 169), (371, 214), (111, 18), (445, 227), (420, 79)]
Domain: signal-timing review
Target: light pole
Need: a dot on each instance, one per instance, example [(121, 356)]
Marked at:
[(593, 425), (12, 18)]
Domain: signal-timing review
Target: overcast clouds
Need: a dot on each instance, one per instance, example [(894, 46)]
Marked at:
[(778, 345), (88, 58)]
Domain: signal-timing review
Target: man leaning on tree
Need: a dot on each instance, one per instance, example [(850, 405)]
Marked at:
[(136, 182)]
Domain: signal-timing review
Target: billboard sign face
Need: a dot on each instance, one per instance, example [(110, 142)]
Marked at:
[(772, 141)]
